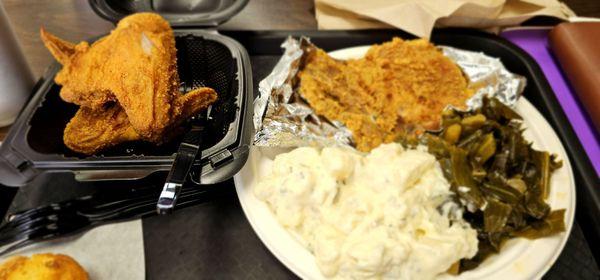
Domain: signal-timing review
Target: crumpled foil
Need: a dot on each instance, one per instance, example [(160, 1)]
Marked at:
[(282, 118)]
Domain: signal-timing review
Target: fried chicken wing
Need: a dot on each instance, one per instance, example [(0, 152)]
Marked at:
[(398, 87), (136, 66), (93, 130)]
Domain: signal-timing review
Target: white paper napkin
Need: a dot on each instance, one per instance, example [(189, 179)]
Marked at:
[(113, 251)]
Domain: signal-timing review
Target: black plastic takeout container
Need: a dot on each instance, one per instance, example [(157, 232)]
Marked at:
[(180, 13), (204, 57)]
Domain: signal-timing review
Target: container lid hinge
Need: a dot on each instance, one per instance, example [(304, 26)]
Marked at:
[(221, 158), (16, 161)]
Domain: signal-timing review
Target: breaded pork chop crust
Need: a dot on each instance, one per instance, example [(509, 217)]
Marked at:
[(398, 87)]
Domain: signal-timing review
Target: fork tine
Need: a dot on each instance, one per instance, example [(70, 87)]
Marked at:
[(24, 217), (37, 225), (19, 217), (85, 204), (11, 231), (12, 219), (25, 221), (119, 196), (59, 228), (27, 234)]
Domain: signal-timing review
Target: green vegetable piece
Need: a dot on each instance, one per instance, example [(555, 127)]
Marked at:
[(502, 192), (555, 163), (450, 117), (479, 174), (448, 113), (446, 122), (454, 269), (552, 224), (517, 184), (470, 139), (534, 203), (517, 217), (484, 250), (486, 149), (452, 133), (500, 162), (473, 122), (495, 109), (446, 165), (408, 141), (495, 215), (496, 239), (463, 179), (542, 161), (436, 146)]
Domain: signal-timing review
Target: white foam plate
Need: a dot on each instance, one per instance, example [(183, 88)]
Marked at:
[(519, 259)]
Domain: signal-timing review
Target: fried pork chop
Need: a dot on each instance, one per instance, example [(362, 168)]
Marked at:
[(399, 87)]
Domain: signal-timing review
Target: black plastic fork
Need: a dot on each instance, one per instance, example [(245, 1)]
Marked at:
[(74, 216)]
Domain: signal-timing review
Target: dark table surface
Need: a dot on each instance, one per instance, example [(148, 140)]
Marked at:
[(223, 247)]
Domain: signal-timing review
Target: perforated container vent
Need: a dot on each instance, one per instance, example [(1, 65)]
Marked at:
[(209, 63)]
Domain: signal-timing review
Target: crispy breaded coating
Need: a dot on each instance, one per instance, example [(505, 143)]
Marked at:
[(398, 87), (42, 266), (93, 130), (136, 66)]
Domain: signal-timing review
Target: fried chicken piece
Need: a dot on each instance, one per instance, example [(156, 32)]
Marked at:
[(136, 66), (42, 266), (93, 130), (399, 87)]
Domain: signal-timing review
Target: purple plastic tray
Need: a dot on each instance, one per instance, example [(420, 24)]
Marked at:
[(535, 42)]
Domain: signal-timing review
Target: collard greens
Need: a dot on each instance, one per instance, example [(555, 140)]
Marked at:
[(497, 175)]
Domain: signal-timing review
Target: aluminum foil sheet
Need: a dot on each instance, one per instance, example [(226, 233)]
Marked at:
[(282, 118), (488, 76)]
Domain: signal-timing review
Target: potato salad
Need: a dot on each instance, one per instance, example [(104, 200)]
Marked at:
[(388, 214)]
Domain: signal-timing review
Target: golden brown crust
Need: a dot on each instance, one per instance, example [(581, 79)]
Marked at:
[(135, 66), (90, 130), (187, 105), (42, 266), (398, 87)]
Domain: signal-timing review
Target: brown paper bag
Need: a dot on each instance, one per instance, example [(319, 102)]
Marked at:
[(418, 17)]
